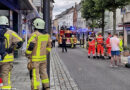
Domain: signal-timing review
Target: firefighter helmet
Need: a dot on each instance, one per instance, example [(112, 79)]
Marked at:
[(39, 23), (4, 20)]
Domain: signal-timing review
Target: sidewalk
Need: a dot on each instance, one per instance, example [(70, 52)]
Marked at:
[(60, 78), (20, 75)]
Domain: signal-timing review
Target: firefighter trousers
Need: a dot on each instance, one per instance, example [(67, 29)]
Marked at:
[(5, 74), (91, 49), (100, 48), (39, 71)]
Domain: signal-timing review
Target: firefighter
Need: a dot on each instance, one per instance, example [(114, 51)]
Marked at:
[(38, 46), (91, 45), (100, 46), (108, 45), (11, 42), (72, 41)]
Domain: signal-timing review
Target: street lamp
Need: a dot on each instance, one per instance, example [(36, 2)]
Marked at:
[(46, 18)]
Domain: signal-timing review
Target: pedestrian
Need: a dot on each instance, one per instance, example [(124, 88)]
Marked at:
[(39, 44), (115, 50), (100, 46), (121, 48), (9, 41), (64, 47), (108, 45), (91, 45), (53, 40)]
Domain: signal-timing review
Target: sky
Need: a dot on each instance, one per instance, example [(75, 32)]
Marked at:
[(62, 5)]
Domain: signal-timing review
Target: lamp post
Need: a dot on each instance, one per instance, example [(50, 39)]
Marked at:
[(46, 18)]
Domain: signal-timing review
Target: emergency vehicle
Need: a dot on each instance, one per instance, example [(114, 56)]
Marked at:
[(69, 35)]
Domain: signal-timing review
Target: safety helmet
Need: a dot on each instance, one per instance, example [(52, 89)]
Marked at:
[(39, 23), (4, 20)]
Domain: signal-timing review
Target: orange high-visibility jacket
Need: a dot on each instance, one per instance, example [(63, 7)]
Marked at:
[(100, 39)]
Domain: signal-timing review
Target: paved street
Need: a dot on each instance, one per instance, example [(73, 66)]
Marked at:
[(20, 75), (92, 74)]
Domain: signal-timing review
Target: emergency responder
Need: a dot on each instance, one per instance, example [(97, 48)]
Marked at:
[(72, 41), (121, 47), (100, 46), (39, 44), (108, 45), (13, 41), (91, 45)]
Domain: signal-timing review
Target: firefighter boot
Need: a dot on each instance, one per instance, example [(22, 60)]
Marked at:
[(88, 56), (94, 57), (102, 57), (97, 57)]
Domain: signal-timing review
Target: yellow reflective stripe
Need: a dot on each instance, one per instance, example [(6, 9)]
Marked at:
[(38, 47), (6, 87), (39, 60), (43, 37), (40, 39), (45, 81), (49, 49), (28, 52), (44, 56), (8, 58), (35, 83), (15, 35), (33, 36), (7, 37), (9, 82)]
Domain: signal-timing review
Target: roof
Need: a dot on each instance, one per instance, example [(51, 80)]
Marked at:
[(64, 12)]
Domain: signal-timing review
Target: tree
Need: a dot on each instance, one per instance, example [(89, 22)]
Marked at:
[(100, 5), (112, 5), (89, 12)]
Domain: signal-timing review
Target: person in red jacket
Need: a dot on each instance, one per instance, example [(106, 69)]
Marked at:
[(91, 44), (108, 45), (100, 46)]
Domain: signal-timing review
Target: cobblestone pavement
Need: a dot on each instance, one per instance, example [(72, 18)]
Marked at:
[(20, 76), (60, 78)]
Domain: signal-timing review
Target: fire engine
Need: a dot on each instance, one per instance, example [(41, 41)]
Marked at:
[(69, 35)]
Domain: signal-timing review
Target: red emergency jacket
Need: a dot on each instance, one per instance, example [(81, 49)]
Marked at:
[(108, 41), (100, 39)]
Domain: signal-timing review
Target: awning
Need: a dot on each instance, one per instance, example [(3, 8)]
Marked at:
[(128, 25), (16, 4)]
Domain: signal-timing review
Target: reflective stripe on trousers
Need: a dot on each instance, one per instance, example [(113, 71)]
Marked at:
[(9, 83), (35, 82)]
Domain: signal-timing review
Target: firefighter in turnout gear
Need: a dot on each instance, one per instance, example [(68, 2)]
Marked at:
[(38, 46), (9, 41), (91, 45), (100, 46), (72, 41), (108, 45)]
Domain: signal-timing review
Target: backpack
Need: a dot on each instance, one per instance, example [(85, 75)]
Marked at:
[(3, 43)]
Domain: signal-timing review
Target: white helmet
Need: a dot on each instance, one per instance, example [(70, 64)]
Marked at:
[(39, 23), (4, 20)]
